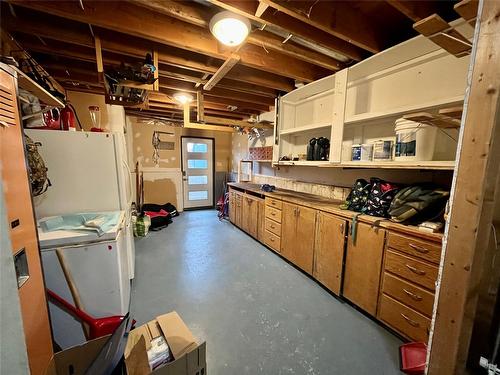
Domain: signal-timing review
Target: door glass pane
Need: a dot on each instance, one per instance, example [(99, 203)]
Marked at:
[(197, 180), (197, 164), (198, 195), (197, 147)]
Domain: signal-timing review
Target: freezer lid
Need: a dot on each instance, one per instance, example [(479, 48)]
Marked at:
[(62, 238)]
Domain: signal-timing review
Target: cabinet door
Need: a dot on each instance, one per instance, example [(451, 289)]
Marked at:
[(329, 250), (232, 207), (363, 267), (305, 228), (250, 215), (238, 211), (261, 220), (288, 230)]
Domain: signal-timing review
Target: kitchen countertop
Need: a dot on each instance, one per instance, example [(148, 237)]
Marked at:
[(333, 207)]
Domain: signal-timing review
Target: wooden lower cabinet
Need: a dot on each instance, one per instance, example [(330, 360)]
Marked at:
[(329, 250), (298, 227), (403, 319), (250, 215), (363, 266), (238, 208)]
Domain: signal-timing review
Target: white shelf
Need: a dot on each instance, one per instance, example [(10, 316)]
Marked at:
[(306, 128), (309, 98), (304, 163), (258, 160), (399, 112), (431, 165)]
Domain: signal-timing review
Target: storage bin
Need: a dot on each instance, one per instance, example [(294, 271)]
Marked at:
[(414, 141)]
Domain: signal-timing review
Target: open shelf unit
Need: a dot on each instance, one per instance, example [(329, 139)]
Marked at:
[(360, 105)]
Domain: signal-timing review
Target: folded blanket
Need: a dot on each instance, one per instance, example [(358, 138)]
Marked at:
[(98, 223)]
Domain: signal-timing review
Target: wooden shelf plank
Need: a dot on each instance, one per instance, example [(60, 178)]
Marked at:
[(401, 111), (439, 121), (30, 85)]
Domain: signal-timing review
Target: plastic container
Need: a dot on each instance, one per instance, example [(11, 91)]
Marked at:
[(366, 152), (356, 152), (383, 150), (413, 356), (414, 141)]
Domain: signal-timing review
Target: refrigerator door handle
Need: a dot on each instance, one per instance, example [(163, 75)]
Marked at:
[(129, 178)]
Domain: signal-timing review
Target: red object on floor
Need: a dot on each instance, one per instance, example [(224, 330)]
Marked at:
[(413, 356), (97, 327), (153, 214)]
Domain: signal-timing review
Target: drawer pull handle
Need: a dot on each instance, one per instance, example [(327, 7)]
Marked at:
[(415, 270), (273, 213), (418, 248), (272, 239), (410, 321), (272, 226), (414, 296)]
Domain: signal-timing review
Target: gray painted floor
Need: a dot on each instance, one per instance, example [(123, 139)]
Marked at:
[(258, 314)]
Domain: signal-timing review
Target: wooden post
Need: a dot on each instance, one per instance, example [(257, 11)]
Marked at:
[(98, 57), (200, 107), (156, 84), (472, 203)]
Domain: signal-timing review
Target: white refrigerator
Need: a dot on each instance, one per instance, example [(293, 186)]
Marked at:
[(88, 173)]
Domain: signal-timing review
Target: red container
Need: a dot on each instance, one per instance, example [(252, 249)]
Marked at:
[(413, 356)]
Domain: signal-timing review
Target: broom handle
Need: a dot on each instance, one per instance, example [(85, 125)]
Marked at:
[(72, 287)]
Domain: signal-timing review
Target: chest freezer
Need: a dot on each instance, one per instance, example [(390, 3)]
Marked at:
[(98, 267)]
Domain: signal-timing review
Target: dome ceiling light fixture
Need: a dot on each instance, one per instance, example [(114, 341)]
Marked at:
[(183, 97), (230, 29)]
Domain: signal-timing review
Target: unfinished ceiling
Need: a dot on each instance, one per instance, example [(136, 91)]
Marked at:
[(290, 41)]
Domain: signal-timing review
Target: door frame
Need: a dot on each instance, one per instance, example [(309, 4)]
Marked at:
[(213, 172)]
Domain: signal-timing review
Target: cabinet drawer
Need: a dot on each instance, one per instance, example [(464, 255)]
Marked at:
[(409, 294), (403, 319), (273, 213), (272, 240), (411, 269), (421, 249), (274, 203), (273, 227)]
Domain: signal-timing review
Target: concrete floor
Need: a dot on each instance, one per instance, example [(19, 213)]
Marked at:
[(258, 314)]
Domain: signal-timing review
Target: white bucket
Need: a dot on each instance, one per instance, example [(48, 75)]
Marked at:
[(414, 141)]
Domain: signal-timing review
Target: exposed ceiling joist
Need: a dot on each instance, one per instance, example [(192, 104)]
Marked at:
[(111, 42), (467, 9), (222, 71), (122, 17), (289, 24), (344, 22), (261, 9), (411, 9), (200, 16)]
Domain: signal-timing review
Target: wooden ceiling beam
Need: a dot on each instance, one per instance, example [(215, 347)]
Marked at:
[(289, 24), (200, 16), (88, 76), (335, 18), (123, 17), (414, 10), (254, 80), (222, 71)]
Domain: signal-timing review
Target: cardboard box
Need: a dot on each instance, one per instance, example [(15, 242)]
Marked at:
[(189, 357)]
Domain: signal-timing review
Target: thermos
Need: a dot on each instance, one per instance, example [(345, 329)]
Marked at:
[(311, 149)]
